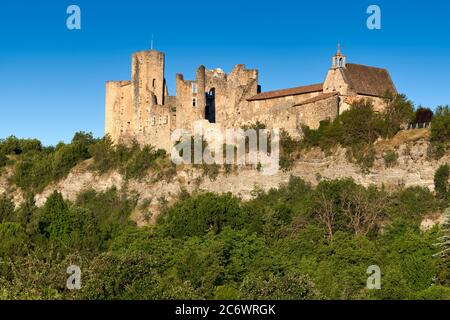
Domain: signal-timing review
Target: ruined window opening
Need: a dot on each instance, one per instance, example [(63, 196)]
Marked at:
[(194, 88), (210, 109), (154, 83), (194, 102)]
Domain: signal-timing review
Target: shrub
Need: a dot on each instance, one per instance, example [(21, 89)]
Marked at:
[(291, 286), (399, 111), (56, 221), (13, 239), (436, 150), (202, 213), (412, 204), (288, 147), (6, 209), (441, 177), (103, 154), (390, 158), (440, 125), (37, 166), (361, 125)]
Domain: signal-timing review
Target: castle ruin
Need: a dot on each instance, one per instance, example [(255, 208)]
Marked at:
[(143, 110)]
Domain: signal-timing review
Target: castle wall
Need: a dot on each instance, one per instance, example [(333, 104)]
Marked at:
[(285, 115), (312, 114), (159, 129), (378, 103), (188, 109), (142, 110), (119, 110), (268, 106), (227, 93), (242, 85)]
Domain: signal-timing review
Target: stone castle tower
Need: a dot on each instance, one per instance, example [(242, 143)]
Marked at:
[(142, 110)]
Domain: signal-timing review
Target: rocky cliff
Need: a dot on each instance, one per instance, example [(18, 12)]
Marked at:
[(411, 168)]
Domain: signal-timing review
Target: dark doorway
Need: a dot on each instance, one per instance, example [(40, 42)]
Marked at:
[(210, 109)]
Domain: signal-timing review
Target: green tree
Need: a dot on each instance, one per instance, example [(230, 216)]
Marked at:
[(13, 239), (398, 111), (6, 209), (290, 286), (441, 180), (202, 213), (360, 123), (56, 221), (440, 125)]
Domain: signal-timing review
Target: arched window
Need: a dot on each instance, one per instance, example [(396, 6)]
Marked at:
[(154, 83)]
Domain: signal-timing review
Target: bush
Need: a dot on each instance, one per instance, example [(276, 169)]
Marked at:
[(201, 214), (6, 209), (288, 147), (361, 125), (440, 125), (291, 286), (37, 166), (55, 221), (13, 239), (390, 158), (412, 204), (441, 181), (399, 111), (132, 161)]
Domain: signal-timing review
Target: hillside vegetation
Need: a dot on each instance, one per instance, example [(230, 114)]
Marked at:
[(295, 242)]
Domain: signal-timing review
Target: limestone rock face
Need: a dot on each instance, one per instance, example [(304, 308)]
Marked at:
[(412, 168)]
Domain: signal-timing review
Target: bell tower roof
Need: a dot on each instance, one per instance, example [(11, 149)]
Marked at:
[(339, 60)]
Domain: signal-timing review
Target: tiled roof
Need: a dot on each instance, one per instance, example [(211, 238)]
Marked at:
[(368, 80), (287, 92), (317, 98)]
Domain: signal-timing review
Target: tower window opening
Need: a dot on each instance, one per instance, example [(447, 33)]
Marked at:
[(194, 88), (194, 102), (154, 83), (210, 109)]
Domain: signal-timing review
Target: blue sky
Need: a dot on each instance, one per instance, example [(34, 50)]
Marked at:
[(52, 80)]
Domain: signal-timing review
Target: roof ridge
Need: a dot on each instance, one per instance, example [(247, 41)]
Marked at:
[(365, 65), (317, 98), (287, 92)]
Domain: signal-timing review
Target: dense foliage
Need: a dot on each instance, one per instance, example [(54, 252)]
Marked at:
[(359, 127), (295, 242), (440, 132), (37, 166)]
